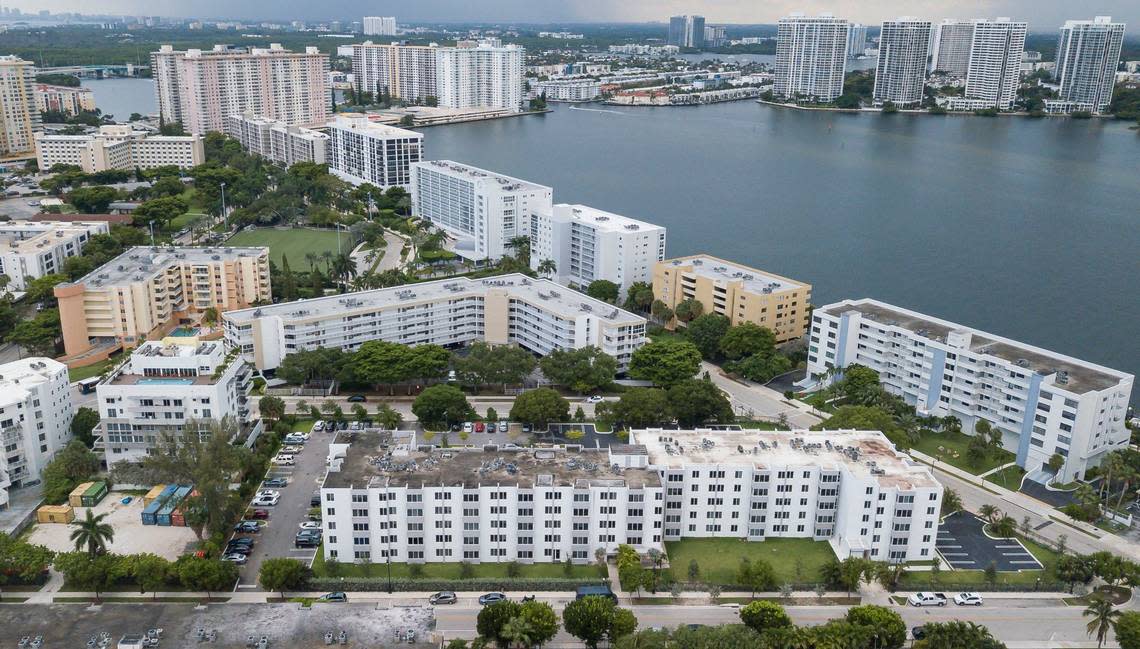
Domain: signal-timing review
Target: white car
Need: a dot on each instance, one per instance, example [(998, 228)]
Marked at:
[(968, 599), (266, 501), (284, 460), (268, 493), (597, 398), (291, 450), (927, 599), (468, 427), (310, 525), (319, 426)]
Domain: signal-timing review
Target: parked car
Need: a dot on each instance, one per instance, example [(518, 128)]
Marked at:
[(479, 427), (594, 398), (275, 482), (443, 597), (526, 428), (247, 527), (294, 438), (968, 599), (284, 460), (310, 525), (243, 550), (333, 597), (242, 541), (455, 428), (292, 449), (268, 501), (342, 425), (490, 428), (468, 427), (318, 426), (268, 493), (491, 598), (315, 499), (357, 398), (306, 541), (504, 426), (235, 557), (355, 426), (927, 599), (258, 514)]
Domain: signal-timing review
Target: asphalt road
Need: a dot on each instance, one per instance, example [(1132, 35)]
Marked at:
[(276, 538)]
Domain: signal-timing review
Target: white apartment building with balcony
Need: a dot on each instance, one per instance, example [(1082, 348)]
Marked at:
[(408, 72), (950, 50), (480, 210), (995, 65), (1088, 53), (277, 141), (119, 146), (536, 314), (1044, 403), (900, 72), (588, 244), (37, 248), (35, 419), (379, 25), (482, 75), (811, 57), (571, 90), (361, 151), (64, 99), (200, 88), (174, 387)]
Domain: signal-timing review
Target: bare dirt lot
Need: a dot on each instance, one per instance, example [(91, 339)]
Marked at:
[(286, 625), (131, 536)]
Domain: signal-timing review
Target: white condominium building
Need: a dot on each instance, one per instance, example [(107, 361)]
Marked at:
[(481, 210), (587, 244), (379, 25), (569, 90), (19, 115), (37, 248), (850, 488), (483, 75), (64, 99), (201, 88), (527, 505), (687, 31), (1043, 402), (407, 72), (856, 40), (119, 146), (901, 69), (35, 419), (145, 291), (174, 387), (361, 151), (811, 57), (1088, 53), (536, 314), (277, 141), (995, 62), (950, 52)]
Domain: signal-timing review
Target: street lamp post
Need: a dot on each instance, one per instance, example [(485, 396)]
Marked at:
[(223, 186)]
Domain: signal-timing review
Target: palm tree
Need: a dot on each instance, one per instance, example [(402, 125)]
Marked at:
[(547, 267), (518, 631), (93, 533), (1004, 527), (1127, 475), (1104, 616), (311, 257), (989, 512)]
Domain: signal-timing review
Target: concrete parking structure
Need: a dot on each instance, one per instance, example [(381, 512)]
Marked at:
[(964, 544)]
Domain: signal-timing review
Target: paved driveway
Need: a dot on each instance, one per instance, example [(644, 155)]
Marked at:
[(276, 538), (964, 546)]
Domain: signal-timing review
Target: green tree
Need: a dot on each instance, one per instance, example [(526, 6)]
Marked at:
[(440, 406), (208, 575), (39, 335), (151, 572), (638, 297), (991, 573), (887, 626), (540, 407), (83, 423), (763, 368), (22, 562), (665, 362), (380, 362), (1127, 628), (594, 619), (763, 615), (282, 574), (493, 618), (288, 281), (747, 339), (90, 573), (641, 408), (271, 408), (604, 290), (387, 417), (951, 502), (706, 332), (1103, 616), (688, 310), (93, 200), (581, 370), (660, 311), (541, 620), (696, 401), (486, 364), (160, 210), (92, 533), (70, 467)]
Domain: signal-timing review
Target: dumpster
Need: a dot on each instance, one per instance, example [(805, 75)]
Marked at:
[(55, 514), (94, 494), (150, 514), (154, 492), (75, 499)]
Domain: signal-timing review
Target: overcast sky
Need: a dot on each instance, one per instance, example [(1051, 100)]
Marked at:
[(1043, 15)]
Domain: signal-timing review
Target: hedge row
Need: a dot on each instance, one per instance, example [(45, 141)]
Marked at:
[(416, 585)]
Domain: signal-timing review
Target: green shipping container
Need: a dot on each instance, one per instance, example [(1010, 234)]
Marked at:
[(94, 494)]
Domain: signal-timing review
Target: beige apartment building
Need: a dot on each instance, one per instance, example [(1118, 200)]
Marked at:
[(741, 293), (65, 99), (119, 146), (145, 291), (19, 119)]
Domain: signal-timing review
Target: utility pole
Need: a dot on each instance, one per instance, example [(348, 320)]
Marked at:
[(223, 186)]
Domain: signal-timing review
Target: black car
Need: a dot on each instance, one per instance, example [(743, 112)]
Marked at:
[(242, 541), (918, 633), (275, 482), (357, 398), (315, 499), (247, 527), (238, 549)]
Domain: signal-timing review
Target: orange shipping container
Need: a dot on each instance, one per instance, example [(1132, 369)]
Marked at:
[(55, 514)]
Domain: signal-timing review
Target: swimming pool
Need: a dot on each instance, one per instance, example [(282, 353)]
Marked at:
[(151, 380), (184, 332)]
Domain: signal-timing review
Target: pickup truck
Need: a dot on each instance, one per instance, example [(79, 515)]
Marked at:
[(927, 599)]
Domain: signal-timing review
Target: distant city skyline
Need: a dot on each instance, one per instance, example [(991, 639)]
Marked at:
[(1042, 16)]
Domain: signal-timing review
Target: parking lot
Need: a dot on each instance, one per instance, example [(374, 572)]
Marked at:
[(277, 535), (965, 546)]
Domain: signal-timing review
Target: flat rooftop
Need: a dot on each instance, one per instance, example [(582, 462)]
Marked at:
[(555, 297), (863, 453), (460, 170), (144, 262), (372, 129), (720, 270), (1082, 376), (31, 236), (603, 220), (16, 376), (370, 462)]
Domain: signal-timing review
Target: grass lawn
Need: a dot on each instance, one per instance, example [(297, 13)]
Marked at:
[(951, 449), (80, 373), (451, 570), (661, 334), (1046, 556), (179, 222), (1009, 477), (719, 559), (759, 425), (294, 243)]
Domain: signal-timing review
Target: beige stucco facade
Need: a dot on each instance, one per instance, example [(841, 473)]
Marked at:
[(738, 292)]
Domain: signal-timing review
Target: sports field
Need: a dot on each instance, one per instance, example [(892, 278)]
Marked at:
[(294, 243)]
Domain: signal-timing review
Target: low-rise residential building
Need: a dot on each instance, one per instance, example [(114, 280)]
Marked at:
[(482, 211), (175, 387), (274, 140), (146, 291), (569, 90), (1043, 402), (587, 244), (741, 293), (850, 488), (35, 419), (361, 151), (64, 99), (536, 314), (119, 146), (37, 248)]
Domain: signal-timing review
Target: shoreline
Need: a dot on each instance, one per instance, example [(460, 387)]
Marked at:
[(912, 111)]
